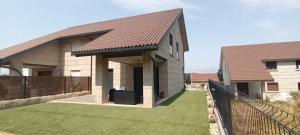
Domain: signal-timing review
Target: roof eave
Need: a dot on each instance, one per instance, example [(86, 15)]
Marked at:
[(246, 80), (82, 53)]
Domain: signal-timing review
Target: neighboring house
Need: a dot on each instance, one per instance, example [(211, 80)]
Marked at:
[(143, 53), (200, 80), (262, 69)]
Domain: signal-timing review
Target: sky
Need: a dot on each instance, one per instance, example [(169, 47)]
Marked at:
[(210, 24)]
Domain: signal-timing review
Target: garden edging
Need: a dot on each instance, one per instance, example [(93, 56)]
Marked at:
[(37, 100)]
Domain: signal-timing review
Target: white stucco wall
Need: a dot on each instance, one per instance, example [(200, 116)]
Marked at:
[(255, 88)]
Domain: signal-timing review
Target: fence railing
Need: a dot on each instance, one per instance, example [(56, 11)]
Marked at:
[(15, 87), (250, 116)]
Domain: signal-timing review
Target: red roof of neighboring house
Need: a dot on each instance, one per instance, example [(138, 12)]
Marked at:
[(203, 77), (137, 31), (246, 62)]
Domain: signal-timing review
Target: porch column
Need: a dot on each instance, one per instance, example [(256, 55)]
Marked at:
[(148, 81), (100, 80), (17, 65)]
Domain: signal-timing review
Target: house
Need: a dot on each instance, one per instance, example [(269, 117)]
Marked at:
[(263, 69), (200, 80), (143, 54)]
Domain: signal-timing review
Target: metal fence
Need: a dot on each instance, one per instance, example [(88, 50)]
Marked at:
[(244, 115), (15, 87)]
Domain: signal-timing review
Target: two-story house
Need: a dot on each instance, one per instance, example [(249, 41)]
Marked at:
[(262, 69), (143, 54)]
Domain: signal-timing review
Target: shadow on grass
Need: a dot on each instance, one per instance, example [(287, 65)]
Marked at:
[(172, 99)]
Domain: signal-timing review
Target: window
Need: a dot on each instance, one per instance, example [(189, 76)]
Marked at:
[(177, 50), (298, 64), (4, 71), (272, 86), (75, 73), (271, 65), (171, 39), (45, 73), (171, 44), (27, 71)]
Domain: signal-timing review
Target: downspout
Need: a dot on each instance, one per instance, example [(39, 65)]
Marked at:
[(154, 65), (91, 75), (14, 69)]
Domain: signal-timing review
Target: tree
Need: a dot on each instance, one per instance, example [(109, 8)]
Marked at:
[(220, 75), (187, 78)]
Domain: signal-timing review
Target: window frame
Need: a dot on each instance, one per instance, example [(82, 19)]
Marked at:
[(75, 71), (177, 50), (272, 83), (171, 44), (269, 65), (297, 64)]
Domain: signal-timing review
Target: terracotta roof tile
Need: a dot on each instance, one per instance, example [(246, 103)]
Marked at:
[(141, 30), (246, 62), (203, 77)]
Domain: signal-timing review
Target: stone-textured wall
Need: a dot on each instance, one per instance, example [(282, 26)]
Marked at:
[(47, 54), (36, 100), (175, 67), (286, 75), (69, 62)]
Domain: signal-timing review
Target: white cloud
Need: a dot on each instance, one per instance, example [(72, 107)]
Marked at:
[(157, 5), (267, 24), (271, 4), (271, 27)]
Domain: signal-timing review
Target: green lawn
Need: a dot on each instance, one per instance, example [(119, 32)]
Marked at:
[(184, 114)]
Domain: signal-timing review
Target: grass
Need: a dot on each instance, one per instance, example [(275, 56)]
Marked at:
[(186, 113), (293, 107)]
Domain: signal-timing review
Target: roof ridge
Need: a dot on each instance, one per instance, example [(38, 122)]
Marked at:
[(263, 44), (127, 17)]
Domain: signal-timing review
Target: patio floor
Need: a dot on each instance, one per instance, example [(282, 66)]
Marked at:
[(86, 99), (90, 99)]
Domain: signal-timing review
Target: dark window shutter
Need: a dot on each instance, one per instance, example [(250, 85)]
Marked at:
[(272, 86)]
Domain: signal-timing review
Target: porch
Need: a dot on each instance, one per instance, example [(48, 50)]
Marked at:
[(251, 88), (129, 79)]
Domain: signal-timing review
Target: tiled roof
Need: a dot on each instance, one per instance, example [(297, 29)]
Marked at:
[(135, 31), (246, 62), (203, 77), (138, 31)]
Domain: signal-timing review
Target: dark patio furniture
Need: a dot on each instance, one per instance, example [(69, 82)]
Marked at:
[(112, 93), (125, 97)]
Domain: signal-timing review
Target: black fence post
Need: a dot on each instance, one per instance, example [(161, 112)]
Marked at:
[(65, 84), (89, 86), (24, 87)]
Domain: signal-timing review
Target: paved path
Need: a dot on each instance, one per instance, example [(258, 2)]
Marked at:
[(86, 99), (3, 133)]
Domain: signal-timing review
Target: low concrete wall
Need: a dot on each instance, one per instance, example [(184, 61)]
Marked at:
[(37, 100)]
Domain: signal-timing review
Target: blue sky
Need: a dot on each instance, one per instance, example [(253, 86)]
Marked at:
[(210, 23)]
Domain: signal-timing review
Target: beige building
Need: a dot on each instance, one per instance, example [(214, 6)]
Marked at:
[(200, 80), (262, 70), (143, 55)]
